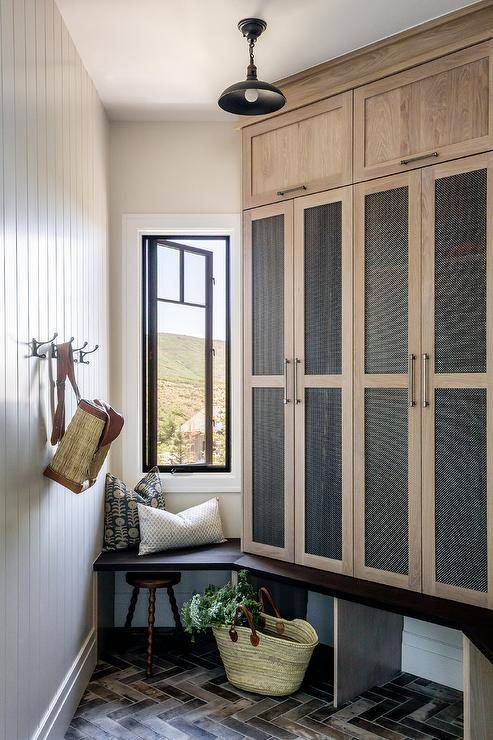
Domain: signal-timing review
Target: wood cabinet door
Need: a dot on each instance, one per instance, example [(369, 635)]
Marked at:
[(387, 430), (323, 380), (430, 113), (304, 151), (268, 472), (457, 361)]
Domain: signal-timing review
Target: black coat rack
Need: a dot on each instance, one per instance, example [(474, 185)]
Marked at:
[(35, 344)]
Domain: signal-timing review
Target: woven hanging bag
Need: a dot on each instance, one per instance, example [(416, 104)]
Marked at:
[(272, 662), (83, 448)]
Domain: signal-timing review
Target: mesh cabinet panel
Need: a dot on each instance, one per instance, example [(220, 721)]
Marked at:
[(460, 273), (386, 281), (268, 466), (323, 289), (386, 479), (460, 488), (323, 472), (268, 295)]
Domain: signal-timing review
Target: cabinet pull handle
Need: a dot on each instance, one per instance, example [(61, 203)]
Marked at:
[(291, 190), (286, 399), (418, 158), (297, 362), (424, 359), (410, 374)]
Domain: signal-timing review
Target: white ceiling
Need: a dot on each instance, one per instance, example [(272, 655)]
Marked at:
[(170, 59)]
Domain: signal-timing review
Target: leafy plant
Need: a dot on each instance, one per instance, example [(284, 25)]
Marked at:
[(217, 606)]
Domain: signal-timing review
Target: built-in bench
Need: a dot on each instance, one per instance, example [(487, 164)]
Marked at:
[(368, 619)]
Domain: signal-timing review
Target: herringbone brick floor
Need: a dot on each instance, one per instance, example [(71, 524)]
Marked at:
[(190, 697)]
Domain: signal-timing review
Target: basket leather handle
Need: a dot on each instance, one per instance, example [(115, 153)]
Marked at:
[(65, 369), (263, 590), (254, 638)]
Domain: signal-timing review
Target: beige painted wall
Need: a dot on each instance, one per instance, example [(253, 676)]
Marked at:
[(168, 168)]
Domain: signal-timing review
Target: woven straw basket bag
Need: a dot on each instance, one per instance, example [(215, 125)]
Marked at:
[(83, 448), (272, 662)]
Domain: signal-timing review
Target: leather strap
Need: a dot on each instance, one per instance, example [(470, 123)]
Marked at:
[(113, 426), (263, 590), (65, 369), (233, 634)]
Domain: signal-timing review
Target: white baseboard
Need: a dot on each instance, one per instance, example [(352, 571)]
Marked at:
[(432, 652), (57, 717)]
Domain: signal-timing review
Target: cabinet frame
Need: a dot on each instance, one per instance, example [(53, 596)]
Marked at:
[(364, 380), (251, 381), (343, 101), (344, 380), (422, 71), (453, 380)]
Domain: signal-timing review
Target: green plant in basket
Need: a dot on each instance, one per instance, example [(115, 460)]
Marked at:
[(217, 605)]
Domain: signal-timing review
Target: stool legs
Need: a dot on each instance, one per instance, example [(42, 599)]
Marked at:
[(150, 629), (174, 609), (132, 605)]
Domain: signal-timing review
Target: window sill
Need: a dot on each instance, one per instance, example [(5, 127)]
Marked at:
[(201, 482)]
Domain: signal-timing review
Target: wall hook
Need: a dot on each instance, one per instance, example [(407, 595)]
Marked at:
[(79, 350), (35, 345), (82, 354), (54, 352)]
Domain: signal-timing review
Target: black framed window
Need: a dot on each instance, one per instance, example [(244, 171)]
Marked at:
[(186, 353)]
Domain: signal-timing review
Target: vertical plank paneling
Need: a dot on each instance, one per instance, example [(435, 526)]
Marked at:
[(3, 563), (53, 253)]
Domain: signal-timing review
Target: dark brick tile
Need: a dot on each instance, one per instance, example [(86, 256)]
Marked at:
[(140, 730), (174, 691), (122, 704), (244, 729), (381, 708), (270, 729), (221, 691), (193, 731), (218, 730), (89, 730), (438, 724), (406, 731), (170, 714), (435, 732), (130, 709), (407, 707), (383, 732), (403, 679), (281, 708)]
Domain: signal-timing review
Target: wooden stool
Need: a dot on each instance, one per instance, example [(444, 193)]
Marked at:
[(152, 582)]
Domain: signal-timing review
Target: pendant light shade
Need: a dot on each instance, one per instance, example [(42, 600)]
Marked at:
[(251, 97)]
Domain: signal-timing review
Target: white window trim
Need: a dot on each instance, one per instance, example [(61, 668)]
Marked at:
[(134, 227)]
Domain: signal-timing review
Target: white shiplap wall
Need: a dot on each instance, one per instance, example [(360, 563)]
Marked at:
[(53, 274)]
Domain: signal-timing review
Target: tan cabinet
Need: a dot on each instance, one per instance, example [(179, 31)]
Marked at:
[(387, 418), (305, 151), (268, 422), (298, 381), (430, 113), (323, 365), (457, 375)]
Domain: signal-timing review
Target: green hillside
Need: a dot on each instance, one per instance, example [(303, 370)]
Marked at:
[(181, 363), (182, 357)]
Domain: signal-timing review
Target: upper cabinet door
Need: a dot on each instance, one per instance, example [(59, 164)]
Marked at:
[(323, 365), (268, 426), (457, 361), (431, 113), (387, 424), (304, 151)]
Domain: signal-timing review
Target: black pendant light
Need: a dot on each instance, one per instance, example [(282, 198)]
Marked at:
[(251, 97)]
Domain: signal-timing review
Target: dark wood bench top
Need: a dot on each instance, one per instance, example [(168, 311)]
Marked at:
[(206, 557), (476, 622)]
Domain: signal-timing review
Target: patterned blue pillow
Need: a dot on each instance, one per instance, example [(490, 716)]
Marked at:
[(121, 517)]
